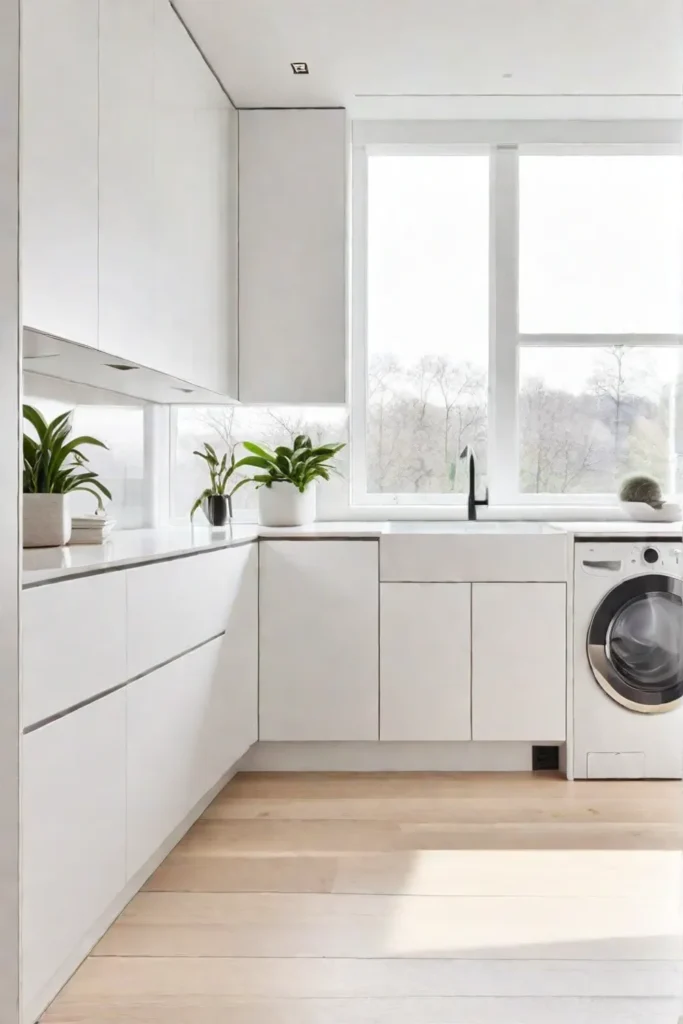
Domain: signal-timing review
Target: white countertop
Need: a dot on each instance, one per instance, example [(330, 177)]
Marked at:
[(128, 547), (623, 528), (132, 547)]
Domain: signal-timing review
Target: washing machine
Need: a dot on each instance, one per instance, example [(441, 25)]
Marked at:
[(628, 660)]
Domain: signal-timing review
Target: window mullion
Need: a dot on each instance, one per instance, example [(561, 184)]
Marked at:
[(503, 324), (358, 373)]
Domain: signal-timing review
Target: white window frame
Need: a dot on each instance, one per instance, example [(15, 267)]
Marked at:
[(504, 141)]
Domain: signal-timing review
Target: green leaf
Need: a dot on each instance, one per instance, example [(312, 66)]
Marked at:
[(198, 502), (37, 420), (260, 463), (255, 449), (100, 503), (242, 483)]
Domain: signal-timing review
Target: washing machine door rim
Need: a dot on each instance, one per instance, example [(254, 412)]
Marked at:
[(637, 695)]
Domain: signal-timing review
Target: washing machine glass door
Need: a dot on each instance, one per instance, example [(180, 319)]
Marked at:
[(635, 643)]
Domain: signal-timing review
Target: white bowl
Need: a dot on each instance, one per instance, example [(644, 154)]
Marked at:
[(670, 512)]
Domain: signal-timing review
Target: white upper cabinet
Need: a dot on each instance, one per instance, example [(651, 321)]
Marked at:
[(59, 55), (425, 653), (167, 199), (292, 255), (127, 231), (195, 155), (519, 658), (318, 669)]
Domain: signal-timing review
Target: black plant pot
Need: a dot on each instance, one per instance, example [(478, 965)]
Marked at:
[(218, 509)]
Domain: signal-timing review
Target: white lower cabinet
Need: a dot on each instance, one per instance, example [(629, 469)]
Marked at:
[(191, 720), (319, 639), (73, 839), (425, 653), (175, 605), (73, 643), (170, 756), (519, 654)]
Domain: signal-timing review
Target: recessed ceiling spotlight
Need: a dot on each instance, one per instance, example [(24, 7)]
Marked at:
[(121, 366), (299, 67), (185, 391)]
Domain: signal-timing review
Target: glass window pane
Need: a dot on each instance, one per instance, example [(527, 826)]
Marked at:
[(601, 244), (428, 280), (225, 426), (590, 416)]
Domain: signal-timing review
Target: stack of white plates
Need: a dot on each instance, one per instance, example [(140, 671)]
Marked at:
[(90, 529)]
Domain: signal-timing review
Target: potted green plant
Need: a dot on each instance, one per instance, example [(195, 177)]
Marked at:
[(54, 466), (216, 499), (287, 482)]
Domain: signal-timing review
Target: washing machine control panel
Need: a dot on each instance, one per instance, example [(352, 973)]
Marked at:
[(666, 558)]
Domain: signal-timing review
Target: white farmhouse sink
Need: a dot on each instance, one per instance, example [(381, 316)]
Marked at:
[(476, 552), (481, 526)]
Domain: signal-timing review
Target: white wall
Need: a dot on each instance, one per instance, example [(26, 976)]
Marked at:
[(9, 511)]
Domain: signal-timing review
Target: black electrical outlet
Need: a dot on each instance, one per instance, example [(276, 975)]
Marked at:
[(545, 759)]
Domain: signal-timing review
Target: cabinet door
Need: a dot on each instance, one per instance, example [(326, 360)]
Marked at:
[(73, 643), (318, 640), (170, 755), (519, 661), (175, 605), (195, 197), (126, 209), (292, 249), (235, 719), (59, 183), (73, 837), (425, 661)]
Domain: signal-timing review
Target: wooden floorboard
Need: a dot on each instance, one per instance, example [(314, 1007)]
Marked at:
[(416, 899)]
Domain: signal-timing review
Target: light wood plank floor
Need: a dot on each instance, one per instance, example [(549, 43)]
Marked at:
[(404, 899)]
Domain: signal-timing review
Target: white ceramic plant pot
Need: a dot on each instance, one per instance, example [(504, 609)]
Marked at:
[(282, 504), (47, 522)]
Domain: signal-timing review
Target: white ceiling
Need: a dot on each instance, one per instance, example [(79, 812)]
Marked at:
[(387, 56)]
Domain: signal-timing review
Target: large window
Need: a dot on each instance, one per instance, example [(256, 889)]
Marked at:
[(526, 300), (427, 321)]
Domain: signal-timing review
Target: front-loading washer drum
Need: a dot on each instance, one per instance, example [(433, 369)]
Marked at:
[(635, 643)]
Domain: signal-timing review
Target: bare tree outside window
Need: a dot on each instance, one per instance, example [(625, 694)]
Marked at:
[(611, 416)]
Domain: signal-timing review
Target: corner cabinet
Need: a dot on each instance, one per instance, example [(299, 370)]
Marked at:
[(519, 651), (319, 611), (292, 255)]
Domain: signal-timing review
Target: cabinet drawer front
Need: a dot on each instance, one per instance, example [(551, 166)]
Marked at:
[(319, 640), (175, 605), (425, 661), (173, 746), (73, 642), (73, 836), (519, 661)]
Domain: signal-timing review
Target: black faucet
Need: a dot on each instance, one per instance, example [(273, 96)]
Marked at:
[(472, 501)]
